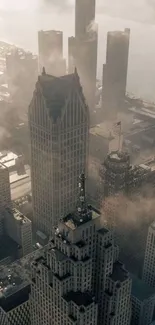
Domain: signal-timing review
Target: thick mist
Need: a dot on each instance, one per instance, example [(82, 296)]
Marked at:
[(138, 15)]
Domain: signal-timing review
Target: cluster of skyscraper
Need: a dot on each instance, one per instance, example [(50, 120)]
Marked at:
[(77, 278)]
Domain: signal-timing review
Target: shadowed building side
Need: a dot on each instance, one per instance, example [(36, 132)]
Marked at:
[(84, 16), (50, 46), (83, 54), (115, 72), (59, 124)]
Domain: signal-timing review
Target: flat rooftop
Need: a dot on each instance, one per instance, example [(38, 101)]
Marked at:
[(79, 298), (141, 290), (18, 215), (76, 219), (118, 156), (119, 273), (104, 130), (14, 288), (8, 158)]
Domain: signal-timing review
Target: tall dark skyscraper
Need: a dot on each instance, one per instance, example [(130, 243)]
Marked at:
[(50, 44), (59, 129), (83, 48), (84, 16), (115, 72)]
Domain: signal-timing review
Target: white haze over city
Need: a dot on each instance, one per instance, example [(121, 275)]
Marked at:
[(20, 21)]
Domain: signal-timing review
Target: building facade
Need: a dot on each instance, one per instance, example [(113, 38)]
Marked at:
[(59, 131), (5, 194), (124, 195), (84, 16), (82, 49), (78, 279), (143, 302), (149, 259), (115, 72), (50, 44), (19, 228)]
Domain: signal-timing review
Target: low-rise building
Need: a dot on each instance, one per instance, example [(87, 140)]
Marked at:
[(14, 297)]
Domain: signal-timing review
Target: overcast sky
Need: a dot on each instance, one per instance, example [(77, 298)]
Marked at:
[(20, 20)]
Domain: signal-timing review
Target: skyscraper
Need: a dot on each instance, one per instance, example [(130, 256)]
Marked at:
[(115, 72), (78, 279), (84, 16), (82, 49), (59, 130), (149, 260), (5, 194), (50, 45)]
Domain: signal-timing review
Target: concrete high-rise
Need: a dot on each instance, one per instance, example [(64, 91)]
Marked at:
[(83, 55), (59, 132), (82, 49), (78, 279), (149, 260), (50, 45), (5, 194), (19, 228), (115, 72), (125, 193), (115, 173), (84, 16)]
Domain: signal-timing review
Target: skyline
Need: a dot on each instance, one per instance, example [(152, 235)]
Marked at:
[(141, 79)]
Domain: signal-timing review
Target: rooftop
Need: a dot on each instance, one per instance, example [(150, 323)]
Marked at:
[(79, 298), (18, 215), (140, 289), (76, 219), (58, 254), (119, 273), (118, 156), (56, 91), (104, 130), (8, 158), (14, 288), (11, 279), (58, 32)]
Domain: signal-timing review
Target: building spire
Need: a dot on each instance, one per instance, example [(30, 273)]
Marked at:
[(82, 199)]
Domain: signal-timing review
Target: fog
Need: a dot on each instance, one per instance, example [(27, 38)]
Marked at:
[(20, 21)]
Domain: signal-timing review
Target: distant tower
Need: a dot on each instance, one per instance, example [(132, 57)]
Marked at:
[(50, 45), (149, 260), (84, 16), (115, 176), (82, 49), (59, 130), (115, 72)]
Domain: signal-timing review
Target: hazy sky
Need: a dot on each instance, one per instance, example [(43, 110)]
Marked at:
[(20, 20)]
